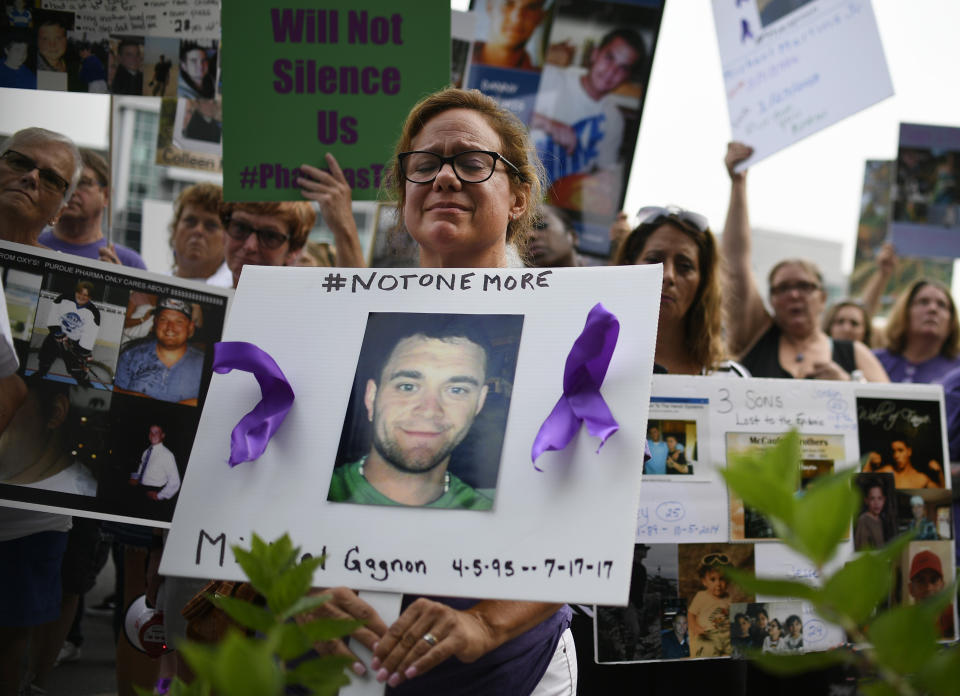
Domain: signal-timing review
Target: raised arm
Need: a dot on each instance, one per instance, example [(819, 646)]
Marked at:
[(747, 318), (873, 292), (331, 190)]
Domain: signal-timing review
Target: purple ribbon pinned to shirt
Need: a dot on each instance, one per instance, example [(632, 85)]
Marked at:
[(581, 401), (250, 436)]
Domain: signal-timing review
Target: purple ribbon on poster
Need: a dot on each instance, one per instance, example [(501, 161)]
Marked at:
[(250, 436), (581, 401)]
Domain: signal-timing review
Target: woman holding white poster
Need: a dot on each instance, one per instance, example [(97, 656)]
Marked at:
[(468, 183), (788, 343)]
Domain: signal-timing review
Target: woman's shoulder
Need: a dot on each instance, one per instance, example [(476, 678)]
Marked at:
[(727, 368)]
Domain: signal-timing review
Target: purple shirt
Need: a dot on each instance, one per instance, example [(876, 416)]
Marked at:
[(127, 256), (899, 369)]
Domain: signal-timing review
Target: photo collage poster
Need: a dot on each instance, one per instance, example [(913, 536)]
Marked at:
[(690, 524), (117, 365), (873, 229), (926, 195), (163, 49), (576, 74)]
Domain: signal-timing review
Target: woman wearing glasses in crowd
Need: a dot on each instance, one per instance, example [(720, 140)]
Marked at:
[(690, 330), (467, 181), (789, 343)]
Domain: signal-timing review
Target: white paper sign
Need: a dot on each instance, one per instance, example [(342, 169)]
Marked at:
[(174, 18), (563, 534), (791, 69)]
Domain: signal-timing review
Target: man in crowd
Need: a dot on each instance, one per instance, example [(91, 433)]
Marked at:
[(576, 124), (13, 72), (421, 404), (553, 241), (512, 23), (39, 170), (196, 82), (197, 237), (157, 473), (73, 324), (675, 640), (265, 234), (905, 474), (79, 230), (657, 464), (926, 580), (128, 78), (165, 368), (161, 76)]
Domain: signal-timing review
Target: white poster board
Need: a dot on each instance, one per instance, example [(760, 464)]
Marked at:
[(793, 68), (561, 534)]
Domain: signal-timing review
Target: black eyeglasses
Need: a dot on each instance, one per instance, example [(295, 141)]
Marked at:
[(470, 167), (267, 238), (49, 179), (804, 287), (654, 214)]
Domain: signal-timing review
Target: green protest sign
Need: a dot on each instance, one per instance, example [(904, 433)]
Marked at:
[(340, 77)]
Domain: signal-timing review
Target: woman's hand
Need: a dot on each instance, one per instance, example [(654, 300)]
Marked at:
[(425, 635), (329, 189), (737, 153), (828, 370), (345, 604)]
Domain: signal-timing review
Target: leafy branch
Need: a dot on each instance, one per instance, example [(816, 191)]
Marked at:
[(276, 648), (898, 646)]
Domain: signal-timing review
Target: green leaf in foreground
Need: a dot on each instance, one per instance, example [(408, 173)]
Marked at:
[(788, 665), (766, 481), (324, 675), (751, 584), (246, 668), (822, 516), (904, 637), (245, 613), (291, 585), (860, 585), (941, 674)]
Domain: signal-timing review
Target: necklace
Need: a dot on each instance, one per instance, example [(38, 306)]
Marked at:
[(446, 477)]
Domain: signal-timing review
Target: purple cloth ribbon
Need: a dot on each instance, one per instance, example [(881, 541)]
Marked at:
[(581, 401), (250, 436)]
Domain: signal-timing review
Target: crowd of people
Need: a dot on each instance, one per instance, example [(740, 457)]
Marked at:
[(467, 182)]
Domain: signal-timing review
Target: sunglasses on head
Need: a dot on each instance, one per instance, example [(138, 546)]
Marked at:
[(715, 559), (653, 214)]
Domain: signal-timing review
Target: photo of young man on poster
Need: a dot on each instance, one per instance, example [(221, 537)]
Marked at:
[(423, 381)]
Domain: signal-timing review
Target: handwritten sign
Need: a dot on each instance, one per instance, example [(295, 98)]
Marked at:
[(301, 485), (793, 69), (340, 79), (171, 18)]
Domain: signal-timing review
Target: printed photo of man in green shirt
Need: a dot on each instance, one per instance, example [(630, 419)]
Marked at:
[(420, 405)]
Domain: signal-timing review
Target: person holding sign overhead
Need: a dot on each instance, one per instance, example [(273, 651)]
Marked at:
[(788, 343), (467, 182)]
